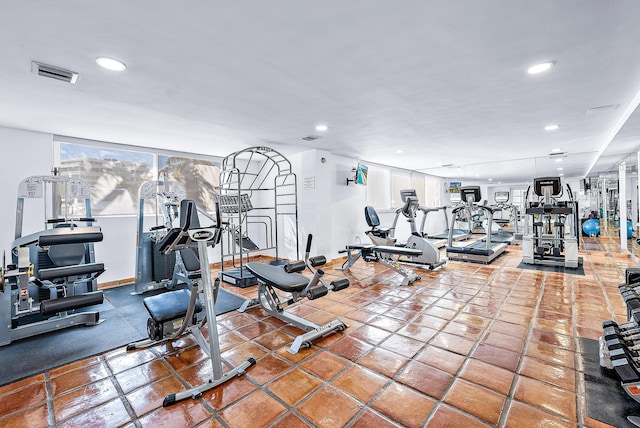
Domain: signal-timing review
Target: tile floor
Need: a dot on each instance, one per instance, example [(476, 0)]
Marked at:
[(466, 346)]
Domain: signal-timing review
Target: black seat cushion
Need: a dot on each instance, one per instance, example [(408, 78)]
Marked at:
[(170, 305), (277, 277)]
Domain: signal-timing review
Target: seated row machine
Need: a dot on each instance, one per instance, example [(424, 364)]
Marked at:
[(288, 279), (174, 313), (53, 271)]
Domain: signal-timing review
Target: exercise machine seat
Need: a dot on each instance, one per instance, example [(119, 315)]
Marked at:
[(373, 221), (170, 305), (277, 277)]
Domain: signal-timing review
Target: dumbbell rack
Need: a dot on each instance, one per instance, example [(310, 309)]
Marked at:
[(620, 343)]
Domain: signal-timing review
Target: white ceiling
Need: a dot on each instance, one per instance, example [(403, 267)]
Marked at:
[(445, 81)]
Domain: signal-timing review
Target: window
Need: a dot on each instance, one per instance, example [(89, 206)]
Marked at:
[(115, 175), (200, 178), (378, 187), (399, 182), (417, 182)]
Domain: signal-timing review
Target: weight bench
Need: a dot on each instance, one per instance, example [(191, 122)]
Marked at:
[(384, 254), (288, 279)]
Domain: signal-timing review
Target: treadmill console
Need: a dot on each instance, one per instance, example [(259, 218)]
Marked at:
[(471, 194)]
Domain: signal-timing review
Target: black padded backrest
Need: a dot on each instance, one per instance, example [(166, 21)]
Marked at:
[(371, 216), (188, 214)]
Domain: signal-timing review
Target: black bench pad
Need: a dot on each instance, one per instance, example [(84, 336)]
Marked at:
[(170, 305), (277, 277)]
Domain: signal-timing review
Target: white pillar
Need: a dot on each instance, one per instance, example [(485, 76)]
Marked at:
[(603, 195), (622, 203)]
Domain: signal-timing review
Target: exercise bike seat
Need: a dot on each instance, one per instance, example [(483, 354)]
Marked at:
[(170, 305), (278, 278)]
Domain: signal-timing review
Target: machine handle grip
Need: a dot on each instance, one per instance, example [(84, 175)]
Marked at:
[(309, 238)]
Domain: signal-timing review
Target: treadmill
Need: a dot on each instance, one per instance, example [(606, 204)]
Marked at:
[(458, 234), (480, 251)]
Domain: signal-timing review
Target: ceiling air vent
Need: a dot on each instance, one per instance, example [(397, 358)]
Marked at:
[(54, 72), (602, 109), (311, 137)]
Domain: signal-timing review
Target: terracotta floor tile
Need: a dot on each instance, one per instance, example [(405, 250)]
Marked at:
[(425, 379), (441, 358), (370, 419), (383, 361), (325, 365), (110, 414), (369, 334), (229, 340), (387, 323), (488, 375), (240, 353), (446, 417), (556, 339), (504, 341), (243, 414), (25, 397), (185, 414), (463, 330), (294, 386), (429, 321), (361, 383), (402, 345), (150, 397), (546, 397), (453, 343), (522, 415), (85, 363), (76, 378), (551, 354), (141, 375), (511, 329), (497, 356), (34, 417), (404, 405), (274, 340), (290, 421), (439, 312), (562, 377), (343, 408), (268, 368), (125, 361), (418, 332), (477, 400), (223, 395), (350, 348), (81, 399)]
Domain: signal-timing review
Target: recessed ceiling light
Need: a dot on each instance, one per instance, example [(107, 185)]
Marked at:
[(561, 174), (560, 169), (321, 128), (551, 127), (399, 151), (110, 64), (477, 175), (491, 179), (559, 160), (556, 150), (540, 68)]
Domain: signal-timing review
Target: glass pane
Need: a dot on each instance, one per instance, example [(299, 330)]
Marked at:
[(114, 176), (417, 182), (200, 178), (378, 188), (398, 182)]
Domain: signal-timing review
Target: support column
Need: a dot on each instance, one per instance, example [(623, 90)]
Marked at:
[(603, 196), (622, 203)]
